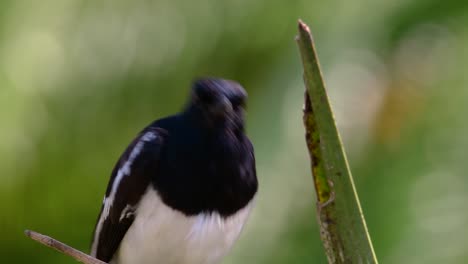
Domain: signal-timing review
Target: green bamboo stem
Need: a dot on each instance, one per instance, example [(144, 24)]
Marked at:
[(342, 226)]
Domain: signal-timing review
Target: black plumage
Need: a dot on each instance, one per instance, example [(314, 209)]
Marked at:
[(198, 161)]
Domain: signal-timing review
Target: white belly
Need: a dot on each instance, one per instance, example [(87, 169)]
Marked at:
[(161, 235)]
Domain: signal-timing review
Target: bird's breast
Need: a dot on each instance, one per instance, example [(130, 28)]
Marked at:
[(161, 234), (200, 176)]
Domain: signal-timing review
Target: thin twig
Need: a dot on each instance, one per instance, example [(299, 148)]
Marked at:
[(61, 247)]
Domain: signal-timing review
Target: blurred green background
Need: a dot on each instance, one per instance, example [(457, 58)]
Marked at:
[(78, 79)]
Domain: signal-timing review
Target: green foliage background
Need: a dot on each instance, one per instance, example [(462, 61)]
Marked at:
[(78, 79)]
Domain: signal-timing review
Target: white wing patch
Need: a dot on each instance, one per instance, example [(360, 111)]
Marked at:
[(125, 170)]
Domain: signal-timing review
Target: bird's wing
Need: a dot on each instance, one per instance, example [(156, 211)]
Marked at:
[(129, 180)]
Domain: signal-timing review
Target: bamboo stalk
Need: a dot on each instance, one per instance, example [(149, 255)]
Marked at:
[(342, 226)]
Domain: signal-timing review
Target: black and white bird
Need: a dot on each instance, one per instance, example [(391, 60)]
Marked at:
[(183, 189)]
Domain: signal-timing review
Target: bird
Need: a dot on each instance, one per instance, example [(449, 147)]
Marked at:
[(183, 189)]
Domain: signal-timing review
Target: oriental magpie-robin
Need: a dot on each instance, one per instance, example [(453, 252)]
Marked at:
[(183, 189)]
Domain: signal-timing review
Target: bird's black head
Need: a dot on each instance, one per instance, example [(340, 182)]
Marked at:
[(219, 102)]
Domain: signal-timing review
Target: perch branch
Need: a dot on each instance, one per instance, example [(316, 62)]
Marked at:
[(61, 247)]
